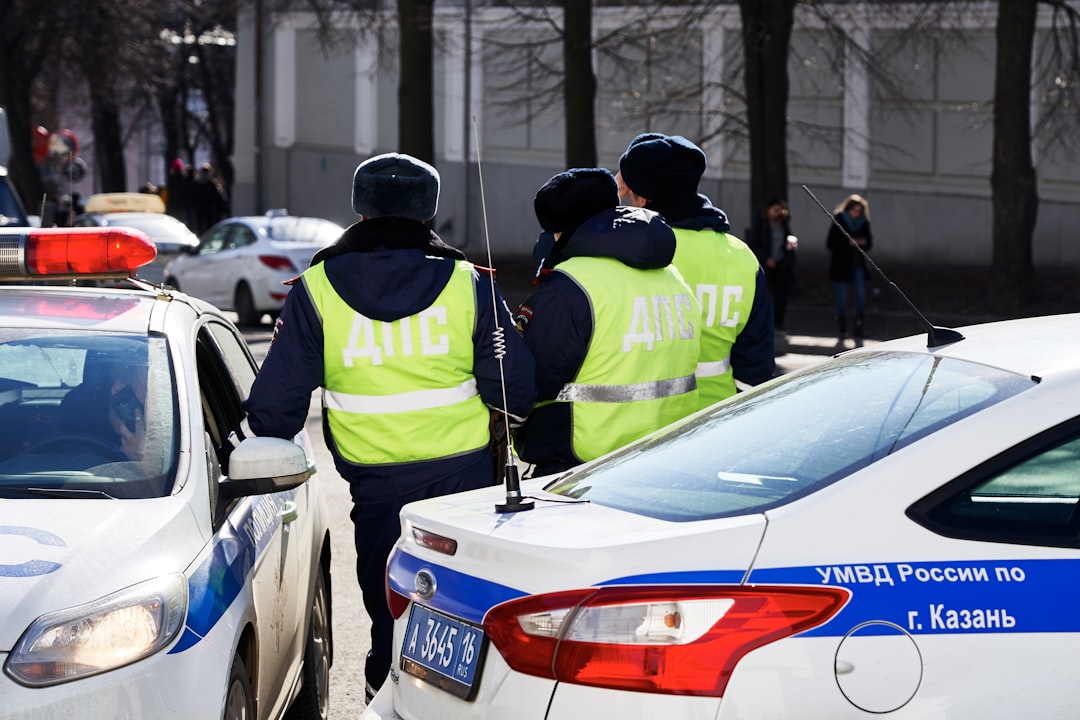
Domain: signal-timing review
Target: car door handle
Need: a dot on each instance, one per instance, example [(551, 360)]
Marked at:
[(287, 512)]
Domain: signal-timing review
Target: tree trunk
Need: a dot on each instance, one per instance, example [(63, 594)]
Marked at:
[(416, 108), (767, 28), (17, 72), (108, 140), (579, 84), (1012, 179)]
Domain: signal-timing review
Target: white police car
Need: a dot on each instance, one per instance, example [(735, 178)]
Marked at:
[(895, 532), (146, 571)]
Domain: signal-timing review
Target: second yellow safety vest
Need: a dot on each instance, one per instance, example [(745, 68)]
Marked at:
[(638, 373)]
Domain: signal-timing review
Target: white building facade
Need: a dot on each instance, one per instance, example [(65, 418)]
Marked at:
[(911, 130)]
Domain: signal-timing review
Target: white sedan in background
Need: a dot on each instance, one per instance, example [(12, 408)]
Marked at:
[(895, 532), (150, 565), (241, 263), (144, 212)]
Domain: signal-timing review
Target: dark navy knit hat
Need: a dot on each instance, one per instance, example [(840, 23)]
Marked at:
[(395, 185), (570, 198), (658, 166)]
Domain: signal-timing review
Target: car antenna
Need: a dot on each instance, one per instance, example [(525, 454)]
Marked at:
[(935, 336), (515, 501)]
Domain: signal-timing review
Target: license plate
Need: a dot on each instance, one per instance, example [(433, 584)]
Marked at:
[(443, 651)]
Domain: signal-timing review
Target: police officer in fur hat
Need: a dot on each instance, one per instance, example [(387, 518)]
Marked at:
[(612, 326), (397, 328), (661, 173)]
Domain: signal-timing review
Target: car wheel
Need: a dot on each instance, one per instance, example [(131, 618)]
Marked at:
[(313, 702), (245, 306), (238, 701)]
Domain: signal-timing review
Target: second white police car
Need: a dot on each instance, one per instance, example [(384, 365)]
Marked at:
[(895, 532), (147, 568)]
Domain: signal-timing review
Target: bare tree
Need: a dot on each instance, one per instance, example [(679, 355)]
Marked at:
[(1013, 180), (766, 31), (27, 31), (416, 104)]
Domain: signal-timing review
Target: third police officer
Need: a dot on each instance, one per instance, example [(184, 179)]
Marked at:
[(662, 173)]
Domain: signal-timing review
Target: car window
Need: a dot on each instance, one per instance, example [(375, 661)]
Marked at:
[(791, 437), (12, 212), (1028, 495), (215, 239), (226, 372), (86, 414), (241, 236)]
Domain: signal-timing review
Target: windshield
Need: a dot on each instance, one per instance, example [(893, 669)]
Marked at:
[(86, 415), (797, 435)]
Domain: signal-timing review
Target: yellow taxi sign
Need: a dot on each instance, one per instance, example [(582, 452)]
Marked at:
[(125, 202)]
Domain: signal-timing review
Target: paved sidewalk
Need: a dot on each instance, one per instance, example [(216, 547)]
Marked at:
[(946, 297)]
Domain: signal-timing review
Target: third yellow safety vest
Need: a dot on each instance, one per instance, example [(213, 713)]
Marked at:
[(722, 271)]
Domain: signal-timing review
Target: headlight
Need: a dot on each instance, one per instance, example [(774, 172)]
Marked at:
[(102, 635)]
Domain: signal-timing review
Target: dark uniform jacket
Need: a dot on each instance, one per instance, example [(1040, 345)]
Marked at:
[(386, 269), (557, 324)]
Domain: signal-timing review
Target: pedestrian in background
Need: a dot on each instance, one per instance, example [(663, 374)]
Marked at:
[(397, 328), (847, 268), (776, 249), (177, 193), (208, 201), (662, 173), (612, 327)]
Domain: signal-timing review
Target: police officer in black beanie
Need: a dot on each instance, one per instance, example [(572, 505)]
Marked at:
[(612, 326), (661, 173), (396, 327)]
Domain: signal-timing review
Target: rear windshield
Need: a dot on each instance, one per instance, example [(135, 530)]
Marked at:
[(86, 415), (303, 230), (791, 438)]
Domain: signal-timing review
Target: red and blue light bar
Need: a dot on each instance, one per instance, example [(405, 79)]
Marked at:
[(29, 253)]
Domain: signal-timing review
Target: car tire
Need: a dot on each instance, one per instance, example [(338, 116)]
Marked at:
[(313, 701), (239, 704), (245, 306)]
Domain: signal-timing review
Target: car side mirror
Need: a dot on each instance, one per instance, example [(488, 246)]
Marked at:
[(262, 465)]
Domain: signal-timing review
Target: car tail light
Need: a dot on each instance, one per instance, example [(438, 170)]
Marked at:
[(278, 262), (395, 600), (73, 252), (676, 640)]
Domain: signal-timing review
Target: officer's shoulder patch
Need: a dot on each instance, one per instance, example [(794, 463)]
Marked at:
[(278, 324), (523, 317)]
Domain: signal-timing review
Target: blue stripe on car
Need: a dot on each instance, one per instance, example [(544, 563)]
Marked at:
[(934, 598), (218, 580), (457, 594)]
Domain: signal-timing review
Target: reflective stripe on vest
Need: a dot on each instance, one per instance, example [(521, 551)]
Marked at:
[(578, 392), (722, 270), (402, 402), (638, 372), (713, 369), (401, 391)]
